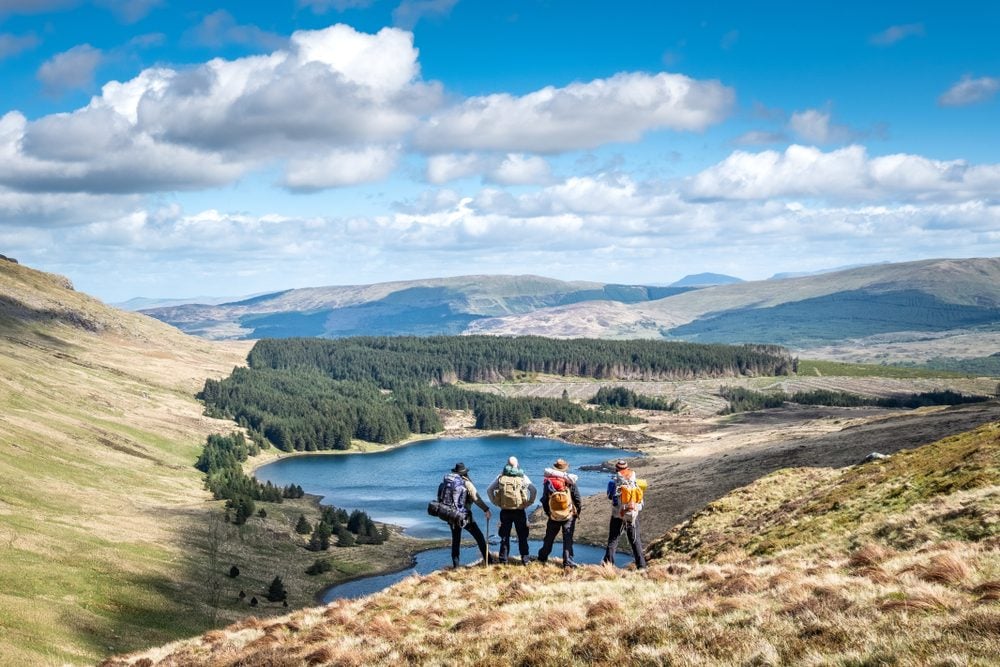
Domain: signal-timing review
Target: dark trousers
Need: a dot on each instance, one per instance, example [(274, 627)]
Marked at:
[(456, 539), (551, 529), (632, 531), (517, 519)]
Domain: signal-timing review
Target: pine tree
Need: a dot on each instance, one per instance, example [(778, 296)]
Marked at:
[(302, 526), (276, 591)]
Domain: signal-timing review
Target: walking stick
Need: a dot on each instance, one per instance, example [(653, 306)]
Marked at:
[(486, 541)]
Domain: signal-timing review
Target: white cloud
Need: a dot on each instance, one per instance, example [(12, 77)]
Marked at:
[(510, 169), (896, 33), (516, 169), (815, 126), (11, 45), (578, 116), (70, 70), (220, 28), (847, 173), (453, 166), (970, 91), (340, 168), (171, 129)]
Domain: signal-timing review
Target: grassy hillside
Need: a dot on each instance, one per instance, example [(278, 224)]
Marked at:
[(888, 563), (98, 431), (108, 539), (926, 296)]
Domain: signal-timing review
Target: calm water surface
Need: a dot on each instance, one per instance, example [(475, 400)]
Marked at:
[(395, 486)]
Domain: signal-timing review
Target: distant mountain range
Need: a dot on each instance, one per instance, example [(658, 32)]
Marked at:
[(913, 297), (706, 280)]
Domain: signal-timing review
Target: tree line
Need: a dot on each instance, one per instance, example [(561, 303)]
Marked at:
[(741, 399), (623, 397), (307, 394)]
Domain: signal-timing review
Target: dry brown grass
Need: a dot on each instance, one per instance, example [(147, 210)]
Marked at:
[(945, 568), (773, 611), (870, 555)]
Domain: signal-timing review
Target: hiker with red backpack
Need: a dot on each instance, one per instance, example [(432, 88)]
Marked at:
[(458, 492), (625, 492), (513, 493), (561, 503)]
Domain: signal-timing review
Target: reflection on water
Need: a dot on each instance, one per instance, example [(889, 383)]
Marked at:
[(395, 486)]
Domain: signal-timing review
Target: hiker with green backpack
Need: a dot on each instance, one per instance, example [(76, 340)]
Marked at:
[(513, 493), (561, 503)]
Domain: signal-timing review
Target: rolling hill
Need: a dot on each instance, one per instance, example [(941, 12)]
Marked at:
[(416, 307), (908, 299), (100, 507), (868, 305)]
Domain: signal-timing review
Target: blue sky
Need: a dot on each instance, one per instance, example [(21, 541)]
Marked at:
[(176, 149)]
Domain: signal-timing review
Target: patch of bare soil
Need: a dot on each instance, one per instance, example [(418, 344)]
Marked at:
[(694, 460)]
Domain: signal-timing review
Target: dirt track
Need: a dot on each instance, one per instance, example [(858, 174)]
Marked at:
[(693, 460)]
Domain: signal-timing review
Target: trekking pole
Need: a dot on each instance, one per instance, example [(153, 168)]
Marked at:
[(486, 556)]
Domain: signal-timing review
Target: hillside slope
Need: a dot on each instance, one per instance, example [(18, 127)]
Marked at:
[(891, 562), (99, 501), (923, 296)]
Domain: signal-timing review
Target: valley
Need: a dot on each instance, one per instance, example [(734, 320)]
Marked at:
[(112, 544)]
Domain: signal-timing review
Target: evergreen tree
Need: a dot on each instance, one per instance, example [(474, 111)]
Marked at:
[(302, 526), (345, 538), (320, 539), (276, 591)]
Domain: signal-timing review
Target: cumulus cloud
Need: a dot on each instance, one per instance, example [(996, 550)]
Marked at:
[(816, 127), (847, 173), (340, 168), (199, 127), (11, 45), (897, 33), (510, 169), (578, 116), (70, 70), (219, 29), (970, 91), (516, 169)]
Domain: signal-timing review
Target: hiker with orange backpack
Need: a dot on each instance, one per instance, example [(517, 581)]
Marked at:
[(625, 492), (561, 503), (513, 493)]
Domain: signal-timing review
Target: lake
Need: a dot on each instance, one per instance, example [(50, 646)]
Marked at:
[(394, 486)]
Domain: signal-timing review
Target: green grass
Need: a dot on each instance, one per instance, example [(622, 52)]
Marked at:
[(945, 490), (816, 367)]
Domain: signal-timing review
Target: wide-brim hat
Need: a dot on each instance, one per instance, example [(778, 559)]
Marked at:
[(561, 464), (460, 469)]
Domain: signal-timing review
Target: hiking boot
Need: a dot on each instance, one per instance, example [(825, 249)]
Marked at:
[(525, 560), (569, 565), (455, 563)]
